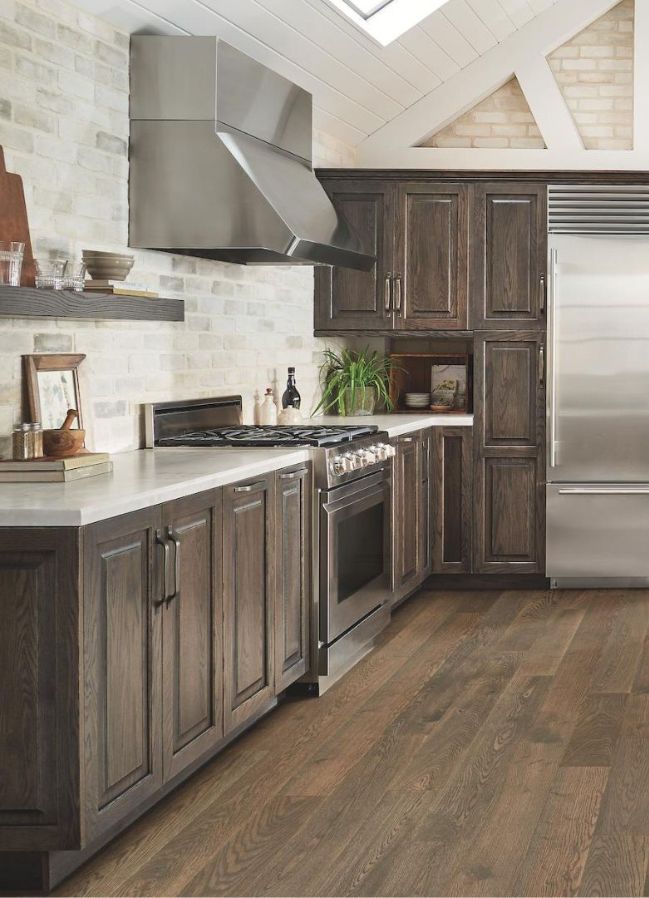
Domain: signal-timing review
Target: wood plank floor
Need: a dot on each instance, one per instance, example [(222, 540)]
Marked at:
[(496, 743)]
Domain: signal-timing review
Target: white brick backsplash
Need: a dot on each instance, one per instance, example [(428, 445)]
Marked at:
[(64, 128), (594, 69)]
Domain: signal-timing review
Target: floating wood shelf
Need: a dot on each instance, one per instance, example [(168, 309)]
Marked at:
[(27, 302)]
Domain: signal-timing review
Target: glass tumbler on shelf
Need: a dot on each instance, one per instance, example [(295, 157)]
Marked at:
[(49, 273), (11, 262), (74, 276)]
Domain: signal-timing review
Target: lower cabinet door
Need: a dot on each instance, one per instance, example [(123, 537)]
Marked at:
[(248, 600), (192, 631), (407, 514), (39, 689), (293, 568), (122, 661), (510, 513), (451, 476), (424, 527)]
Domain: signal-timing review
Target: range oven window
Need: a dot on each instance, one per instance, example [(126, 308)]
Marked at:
[(360, 551)]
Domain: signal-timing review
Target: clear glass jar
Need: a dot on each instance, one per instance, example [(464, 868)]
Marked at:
[(21, 443), (36, 440)]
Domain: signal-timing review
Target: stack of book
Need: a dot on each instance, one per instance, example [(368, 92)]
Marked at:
[(119, 288), (56, 470)]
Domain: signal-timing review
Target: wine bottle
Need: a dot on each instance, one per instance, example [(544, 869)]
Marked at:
[(291, 397)]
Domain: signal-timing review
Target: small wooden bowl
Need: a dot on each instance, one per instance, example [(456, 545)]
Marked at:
[(63, 443)]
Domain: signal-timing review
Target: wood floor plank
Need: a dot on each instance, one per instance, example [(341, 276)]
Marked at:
[(544, 656), (597, 731), (622, 653), (559, 848), (617, 865)]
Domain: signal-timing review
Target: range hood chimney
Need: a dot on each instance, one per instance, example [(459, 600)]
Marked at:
[(221, 160)]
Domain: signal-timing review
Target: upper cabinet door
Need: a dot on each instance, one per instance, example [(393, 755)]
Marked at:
[(508, 256), (430, 269), (348, 300), (192, 631)]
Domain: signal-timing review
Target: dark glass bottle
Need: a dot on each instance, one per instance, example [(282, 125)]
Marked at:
[(291, 397)]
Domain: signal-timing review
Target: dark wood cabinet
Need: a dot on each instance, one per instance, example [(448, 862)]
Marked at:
[(122, 644), (419, 233), (451, 473), (192, 632), (248, 601), (508, 255), (293, 569), (358, 300), (39, 679), (411, 513), (430, 283), (509, 451)]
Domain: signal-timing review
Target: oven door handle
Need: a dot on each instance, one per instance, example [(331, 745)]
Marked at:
[(361, 499)]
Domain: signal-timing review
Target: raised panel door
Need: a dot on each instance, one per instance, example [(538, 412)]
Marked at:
[(451, 491)]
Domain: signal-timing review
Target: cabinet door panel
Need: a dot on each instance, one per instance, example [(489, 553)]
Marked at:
[(508, 518), (356, 300), (122, 631), (508, 255), (192, 634), (249, 613), (406, 474), (431, 256), (39, 731), (293, 556), (452, 512)]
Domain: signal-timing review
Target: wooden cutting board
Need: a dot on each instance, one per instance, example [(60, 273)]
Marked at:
[(13, 218)]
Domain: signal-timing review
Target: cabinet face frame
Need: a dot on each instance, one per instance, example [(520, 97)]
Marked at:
[(334, 287), (494, 246), (45, 805), (442, 263), (294, 484), (452, 499), (239, 500)]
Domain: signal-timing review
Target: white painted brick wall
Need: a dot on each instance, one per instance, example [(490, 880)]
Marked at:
[(64, 127), (595, 72)]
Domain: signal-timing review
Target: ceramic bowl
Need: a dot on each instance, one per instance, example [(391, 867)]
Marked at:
[(108, 266)]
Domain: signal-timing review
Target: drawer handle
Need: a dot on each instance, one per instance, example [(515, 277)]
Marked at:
[(603, 491), (541, 365), (251, 487), (387, 292), (542, 293), (397, 301), (166, 547), (293, 475)]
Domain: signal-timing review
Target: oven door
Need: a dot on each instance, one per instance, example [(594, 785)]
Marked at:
[(354, 553)]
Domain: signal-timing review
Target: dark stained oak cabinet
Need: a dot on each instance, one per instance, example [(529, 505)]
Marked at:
[(509, 452), (411, 513), (133, 649), (451, 475), (418, 232)]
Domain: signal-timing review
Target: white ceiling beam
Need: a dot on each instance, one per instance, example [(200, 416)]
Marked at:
[(548, 105), (430, 158), (480, 78), (641, 76)]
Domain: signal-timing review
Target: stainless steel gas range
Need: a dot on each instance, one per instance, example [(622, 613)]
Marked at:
[(352, 517)]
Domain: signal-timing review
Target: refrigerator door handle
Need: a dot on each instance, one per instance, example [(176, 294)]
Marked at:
[(605, 491), (552, 308)]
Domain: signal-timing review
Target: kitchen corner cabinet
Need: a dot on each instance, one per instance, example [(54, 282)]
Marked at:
[(131, 650), (419, 234), (411, 513), (509, 452), (508, 256), (451, 475)]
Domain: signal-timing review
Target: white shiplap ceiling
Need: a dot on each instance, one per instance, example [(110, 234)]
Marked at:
[(357, 85)]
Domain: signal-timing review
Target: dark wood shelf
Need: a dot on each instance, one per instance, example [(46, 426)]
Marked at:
[(28, 302)]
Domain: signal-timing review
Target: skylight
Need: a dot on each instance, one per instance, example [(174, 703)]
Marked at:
[(386, 20)]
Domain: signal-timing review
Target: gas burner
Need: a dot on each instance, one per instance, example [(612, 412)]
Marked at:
[(269, 436)]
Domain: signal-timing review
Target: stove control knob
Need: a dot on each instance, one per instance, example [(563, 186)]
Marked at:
[(378, 452), (390, 451), (338, 465), (370, 455)]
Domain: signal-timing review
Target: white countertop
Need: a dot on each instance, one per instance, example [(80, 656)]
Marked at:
[(150, 476), (139, 479), (397, 425)]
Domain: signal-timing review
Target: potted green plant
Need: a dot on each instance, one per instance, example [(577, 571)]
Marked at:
[(354, 381)]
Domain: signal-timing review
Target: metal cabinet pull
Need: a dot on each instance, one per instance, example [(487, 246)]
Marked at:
[(405, 439), (251, 487), (541, 365), (293, 475), (397, 287), (387, 295), (174, 539), (166, 546), (542, 293), (554, 286), (605, 491)]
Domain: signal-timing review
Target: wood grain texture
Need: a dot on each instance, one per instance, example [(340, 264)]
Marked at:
[(14, 225), (436, 767), (451, 476), (28, 302)]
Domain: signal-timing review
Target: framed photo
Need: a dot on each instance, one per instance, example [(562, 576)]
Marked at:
[(449, 383), (52, 387)]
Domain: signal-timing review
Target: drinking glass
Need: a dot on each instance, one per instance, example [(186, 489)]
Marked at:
[(49, 273), (11, 262), (74, 276)]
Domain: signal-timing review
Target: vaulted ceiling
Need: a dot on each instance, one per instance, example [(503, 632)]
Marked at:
[(358, 86)]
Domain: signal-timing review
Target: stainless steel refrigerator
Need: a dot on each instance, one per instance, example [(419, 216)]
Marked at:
[(598, 387)]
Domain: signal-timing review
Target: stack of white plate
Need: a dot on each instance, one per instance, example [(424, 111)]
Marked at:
[(417, 400)]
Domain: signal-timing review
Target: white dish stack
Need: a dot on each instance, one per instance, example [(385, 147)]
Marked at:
[(416, 400)]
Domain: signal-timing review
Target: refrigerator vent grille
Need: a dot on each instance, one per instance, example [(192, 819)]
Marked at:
[(595, 209)]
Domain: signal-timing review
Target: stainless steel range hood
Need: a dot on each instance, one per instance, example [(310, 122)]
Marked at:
[(221, 162)]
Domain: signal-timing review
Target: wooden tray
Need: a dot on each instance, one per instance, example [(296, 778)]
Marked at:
[(13, 218)]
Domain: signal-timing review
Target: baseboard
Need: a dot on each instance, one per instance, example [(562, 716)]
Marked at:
[(486, 581)]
